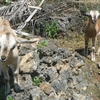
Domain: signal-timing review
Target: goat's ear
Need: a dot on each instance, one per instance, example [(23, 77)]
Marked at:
[(84, 14), (18, 44), (87, 14), (99, 14)]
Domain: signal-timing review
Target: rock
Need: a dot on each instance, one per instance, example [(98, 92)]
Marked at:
[(64, 67), (36, 93), (66, 74), (50, 74), (47, 60), (53, 55), (29, 62), (59, 86), (52, 98), (48, 50), (25, 81), (78, 97), (82, 86), (36, 60), (24, 49), (41, 68), (47, 88), (75, 62)]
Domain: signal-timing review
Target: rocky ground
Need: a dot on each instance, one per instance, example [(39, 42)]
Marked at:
[(55, 69)]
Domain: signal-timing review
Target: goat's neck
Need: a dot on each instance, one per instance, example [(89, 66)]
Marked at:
[(91, 24)]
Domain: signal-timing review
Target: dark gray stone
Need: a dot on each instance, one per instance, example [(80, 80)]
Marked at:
[(50, 73), (36, 59)]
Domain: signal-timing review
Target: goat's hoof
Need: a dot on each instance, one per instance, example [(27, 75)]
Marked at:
[(93, 59), (17, 88), (85, 54), (7, 89)]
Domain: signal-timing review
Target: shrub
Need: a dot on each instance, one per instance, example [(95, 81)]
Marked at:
[(51, 29)]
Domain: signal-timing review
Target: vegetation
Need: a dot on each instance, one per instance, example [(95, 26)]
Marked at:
[(10, 98), (44, 43), (51, 29), (36, 81)]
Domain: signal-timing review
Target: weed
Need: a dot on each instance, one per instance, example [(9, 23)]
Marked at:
[(51, 29), (44, 43), (36, 81), (10, 98)]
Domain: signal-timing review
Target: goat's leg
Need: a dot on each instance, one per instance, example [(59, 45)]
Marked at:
[(0, 68), (98, 48), (5, 70), (15, 69), (86, 46), (93, 50)]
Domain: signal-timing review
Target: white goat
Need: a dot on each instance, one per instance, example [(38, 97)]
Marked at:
[(92, 30), (8, 54)]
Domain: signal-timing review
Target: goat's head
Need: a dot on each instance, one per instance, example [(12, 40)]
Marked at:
[(7, 44), (93, 14)]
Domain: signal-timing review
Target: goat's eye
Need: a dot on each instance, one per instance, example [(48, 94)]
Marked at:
[(13, 47)]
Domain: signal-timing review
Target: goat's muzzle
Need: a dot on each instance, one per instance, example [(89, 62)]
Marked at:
[(94, 21), (3, 58)]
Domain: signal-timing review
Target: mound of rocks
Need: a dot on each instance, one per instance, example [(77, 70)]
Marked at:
[(59, 70)]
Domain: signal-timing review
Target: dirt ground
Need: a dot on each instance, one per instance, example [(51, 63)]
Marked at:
[(76, 44)]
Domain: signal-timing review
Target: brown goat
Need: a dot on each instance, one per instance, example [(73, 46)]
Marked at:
[(92, 30)]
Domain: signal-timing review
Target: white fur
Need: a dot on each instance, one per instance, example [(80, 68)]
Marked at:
[(94, 15), (7, 42), (93, 54)]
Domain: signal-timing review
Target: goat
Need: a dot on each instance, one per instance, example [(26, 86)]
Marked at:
[(8, 55), (92, 30)]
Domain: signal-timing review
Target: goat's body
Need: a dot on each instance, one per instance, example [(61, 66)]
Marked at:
[(92, 31), (8, 54)]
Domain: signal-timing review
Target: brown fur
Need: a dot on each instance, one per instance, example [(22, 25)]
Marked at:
[(5, 27), (91, 31)]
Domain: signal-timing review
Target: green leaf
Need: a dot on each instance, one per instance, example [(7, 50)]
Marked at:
[(36, 80)]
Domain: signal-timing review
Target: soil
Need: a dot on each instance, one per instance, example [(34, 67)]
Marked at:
[(76, 44)]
